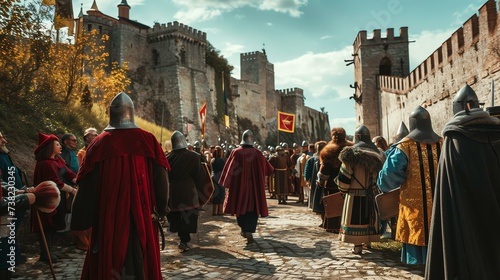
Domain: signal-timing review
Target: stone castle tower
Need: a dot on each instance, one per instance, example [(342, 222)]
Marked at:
[(470, 56), (171, 81), (374, 57)]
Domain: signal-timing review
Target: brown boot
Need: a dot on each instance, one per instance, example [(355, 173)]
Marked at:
[(221, 210)]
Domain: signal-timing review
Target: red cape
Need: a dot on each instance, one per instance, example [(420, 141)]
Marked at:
[(244, 175), (124, 199)]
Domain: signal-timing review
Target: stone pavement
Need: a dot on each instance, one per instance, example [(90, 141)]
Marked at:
[(288, 245)]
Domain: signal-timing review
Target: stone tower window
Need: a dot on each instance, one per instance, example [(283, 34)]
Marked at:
[(183, 54), (156, 57), (385, 67)]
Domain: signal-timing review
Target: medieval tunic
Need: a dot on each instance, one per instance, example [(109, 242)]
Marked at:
[(188, 190), (463, 243), (412, 165), (281, 164), (244, 177), (357, 179), (122, 181)]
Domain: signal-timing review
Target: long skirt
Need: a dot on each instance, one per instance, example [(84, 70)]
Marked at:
[(360, 222)]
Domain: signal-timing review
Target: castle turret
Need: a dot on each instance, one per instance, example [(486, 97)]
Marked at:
[(123, 9), (375, 57)]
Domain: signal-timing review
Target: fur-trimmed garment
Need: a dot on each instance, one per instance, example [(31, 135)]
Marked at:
[(357, 179), (328, 170)]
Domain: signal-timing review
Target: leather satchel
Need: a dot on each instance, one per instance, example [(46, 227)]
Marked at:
[(334, 203), (388, 204)]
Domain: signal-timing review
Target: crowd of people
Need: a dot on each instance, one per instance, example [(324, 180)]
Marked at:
[(448, 190)]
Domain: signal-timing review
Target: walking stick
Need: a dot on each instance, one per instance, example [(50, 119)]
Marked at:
[(45, 244)]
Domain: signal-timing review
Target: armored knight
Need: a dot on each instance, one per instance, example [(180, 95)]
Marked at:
[(412, 166), (462, 244)]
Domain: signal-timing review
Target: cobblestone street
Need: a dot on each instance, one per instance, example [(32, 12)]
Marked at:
[(288, 245)]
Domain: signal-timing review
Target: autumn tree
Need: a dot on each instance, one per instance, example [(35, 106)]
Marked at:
[(24, 47), (74, 65)]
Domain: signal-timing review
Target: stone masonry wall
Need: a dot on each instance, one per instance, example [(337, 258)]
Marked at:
[(467, 57)]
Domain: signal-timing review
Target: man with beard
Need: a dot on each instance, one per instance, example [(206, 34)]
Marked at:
[(123, 191), (463, 242)]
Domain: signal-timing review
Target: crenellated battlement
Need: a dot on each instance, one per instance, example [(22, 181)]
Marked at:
[(291, 92), (173, 27), (252, 56), (377, 38), (478, 27)]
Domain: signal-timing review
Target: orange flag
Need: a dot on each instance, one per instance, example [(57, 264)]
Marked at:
[(203, 119), (286, 122)]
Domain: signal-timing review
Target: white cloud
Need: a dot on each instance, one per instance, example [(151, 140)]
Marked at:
[(231, 49), (291, 7), (269, 24), (201, 10), (321, 75), (325, 37)]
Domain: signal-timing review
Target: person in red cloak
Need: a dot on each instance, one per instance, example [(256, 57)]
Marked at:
[(123, 190), (51, 167), (244, 176)]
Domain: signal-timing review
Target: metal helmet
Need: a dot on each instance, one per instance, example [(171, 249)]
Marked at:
[(196, 144), (247, 138), (304, 144), (178, 141), (259, 147), (121, 113), (363, 138), (279, 148), (284, 145), (294, 145), (465, 96), (402, 132), (271, 149), (421, 127)]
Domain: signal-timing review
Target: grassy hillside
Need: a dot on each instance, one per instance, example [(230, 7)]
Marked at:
[(20, 123)]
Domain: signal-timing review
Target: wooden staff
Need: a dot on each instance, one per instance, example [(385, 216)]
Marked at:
[(45, 244)]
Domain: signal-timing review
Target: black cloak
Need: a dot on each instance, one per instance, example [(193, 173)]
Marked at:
[(464, 242)]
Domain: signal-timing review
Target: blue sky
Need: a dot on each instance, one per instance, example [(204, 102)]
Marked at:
[(306, 40)]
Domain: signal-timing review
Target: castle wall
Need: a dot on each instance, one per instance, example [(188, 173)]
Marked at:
[(467, 57), (171, 81)]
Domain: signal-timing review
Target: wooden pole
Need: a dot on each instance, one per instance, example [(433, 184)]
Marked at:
[(45, 244)]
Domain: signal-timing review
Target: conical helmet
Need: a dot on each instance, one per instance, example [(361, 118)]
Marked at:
[(465, 99), (121, 113), (421, 127), (247, 138), (402, 132), (363, 138), (178, 141)]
